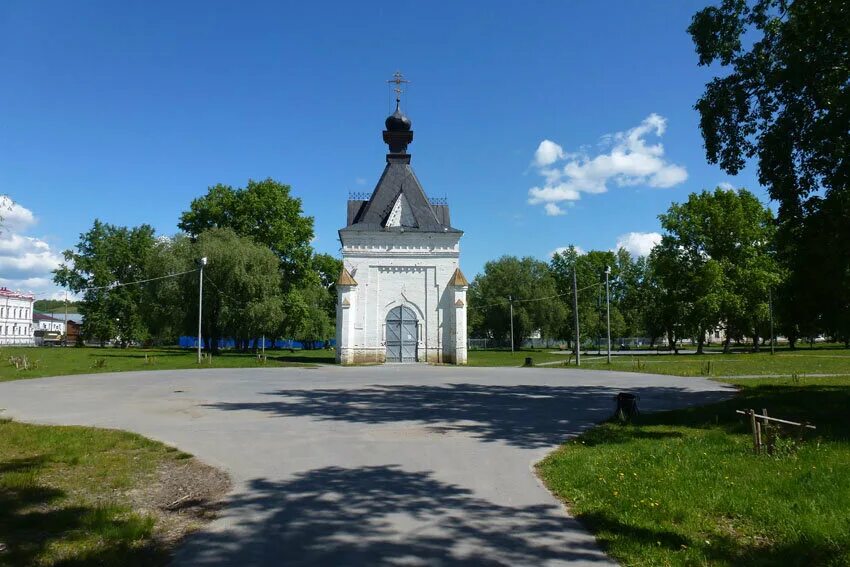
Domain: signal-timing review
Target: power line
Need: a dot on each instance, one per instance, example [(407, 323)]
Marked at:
[(118, 284), (506, 300)]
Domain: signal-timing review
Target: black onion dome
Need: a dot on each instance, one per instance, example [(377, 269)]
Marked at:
[(397, 121)]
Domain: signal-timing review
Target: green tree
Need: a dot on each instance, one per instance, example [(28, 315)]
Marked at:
[(105, 259), (264, 211), (170, 310), (525, 281), (785, 100), (659, 304), (691, 287), (327, 269), (590, 277), (313, 320), (716, 261), (627, 292), (242, 295)]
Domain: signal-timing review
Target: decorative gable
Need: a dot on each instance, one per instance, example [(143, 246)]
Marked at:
[(401, 214)]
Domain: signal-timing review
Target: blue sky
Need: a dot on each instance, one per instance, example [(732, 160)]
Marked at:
[(126, 111)]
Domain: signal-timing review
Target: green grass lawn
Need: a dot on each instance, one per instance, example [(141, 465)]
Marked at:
[(818, 361), (787, 362), (684, 488), (508, 358), (66, 496), (55, 361)]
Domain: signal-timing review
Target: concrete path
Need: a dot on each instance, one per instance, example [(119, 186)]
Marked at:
[(392, 465)]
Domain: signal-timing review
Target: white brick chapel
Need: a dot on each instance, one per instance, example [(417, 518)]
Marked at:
[(401, 295)]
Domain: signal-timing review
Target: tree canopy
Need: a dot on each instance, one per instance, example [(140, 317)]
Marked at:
[(105, 256), (264, 211), (716, 261), (521, 281), (786, 96), (784, 99), (261, 278)]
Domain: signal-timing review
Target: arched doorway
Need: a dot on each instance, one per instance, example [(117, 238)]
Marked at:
[(402, 334)]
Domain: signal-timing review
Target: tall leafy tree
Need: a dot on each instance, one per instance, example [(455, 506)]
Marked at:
[(264, 211), (327, 269), (170, 310), (242, 296), (105, 259), (524, 282), (717, 264), (311, 312), (659, 303), (784, 99), (590, 278), (691, 287)]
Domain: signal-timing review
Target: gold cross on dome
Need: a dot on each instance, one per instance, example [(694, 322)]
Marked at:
[(398, 79)]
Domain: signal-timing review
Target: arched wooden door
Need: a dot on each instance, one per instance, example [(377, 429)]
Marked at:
[(402, 335)]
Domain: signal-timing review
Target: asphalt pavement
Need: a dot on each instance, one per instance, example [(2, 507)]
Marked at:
[(382, 465)]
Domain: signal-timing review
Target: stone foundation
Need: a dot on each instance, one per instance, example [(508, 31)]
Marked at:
[(378, 355), (354, 356)]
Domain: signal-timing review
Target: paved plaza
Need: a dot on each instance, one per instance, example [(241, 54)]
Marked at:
[(384, 465)]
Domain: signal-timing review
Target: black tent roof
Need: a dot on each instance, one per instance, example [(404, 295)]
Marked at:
[(398, 180)]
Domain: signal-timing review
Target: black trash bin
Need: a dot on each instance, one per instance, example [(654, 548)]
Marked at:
[(627, 407)]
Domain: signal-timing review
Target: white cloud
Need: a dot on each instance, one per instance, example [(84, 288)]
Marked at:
[(560, 250), (360, 181), (548, 152), (630, 161), (554, 210), (25, 257), (726, 186), (638, 243), (26, 262), (15, 217)]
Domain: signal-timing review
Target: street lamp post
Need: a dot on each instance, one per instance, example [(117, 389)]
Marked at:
[(200, 303), (575, 312), (511, 301), (608, 309), (65, 341), (770, 307)]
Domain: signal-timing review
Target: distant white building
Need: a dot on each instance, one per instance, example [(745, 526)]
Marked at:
[(45, 322), (401, 294), (16, 327)]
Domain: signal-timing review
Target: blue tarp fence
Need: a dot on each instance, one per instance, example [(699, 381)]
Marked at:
[(192, 342)]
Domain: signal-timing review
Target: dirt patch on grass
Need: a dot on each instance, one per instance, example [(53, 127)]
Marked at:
[(182, 495)]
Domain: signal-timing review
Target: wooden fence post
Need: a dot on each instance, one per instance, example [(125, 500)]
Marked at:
[(755, 431)]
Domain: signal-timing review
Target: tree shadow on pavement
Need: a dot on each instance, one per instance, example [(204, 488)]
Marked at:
[(383, 515), (526, 416)]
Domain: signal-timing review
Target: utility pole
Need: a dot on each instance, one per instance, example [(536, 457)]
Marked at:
[(575, 310), (511, 301), (66, 317), (200, 303), (608, 308), (770, 308)]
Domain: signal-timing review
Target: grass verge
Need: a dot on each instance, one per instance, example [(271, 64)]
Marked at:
[(786, 362), (683, 487), (82, 496), (508, 358), (59, 361)]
